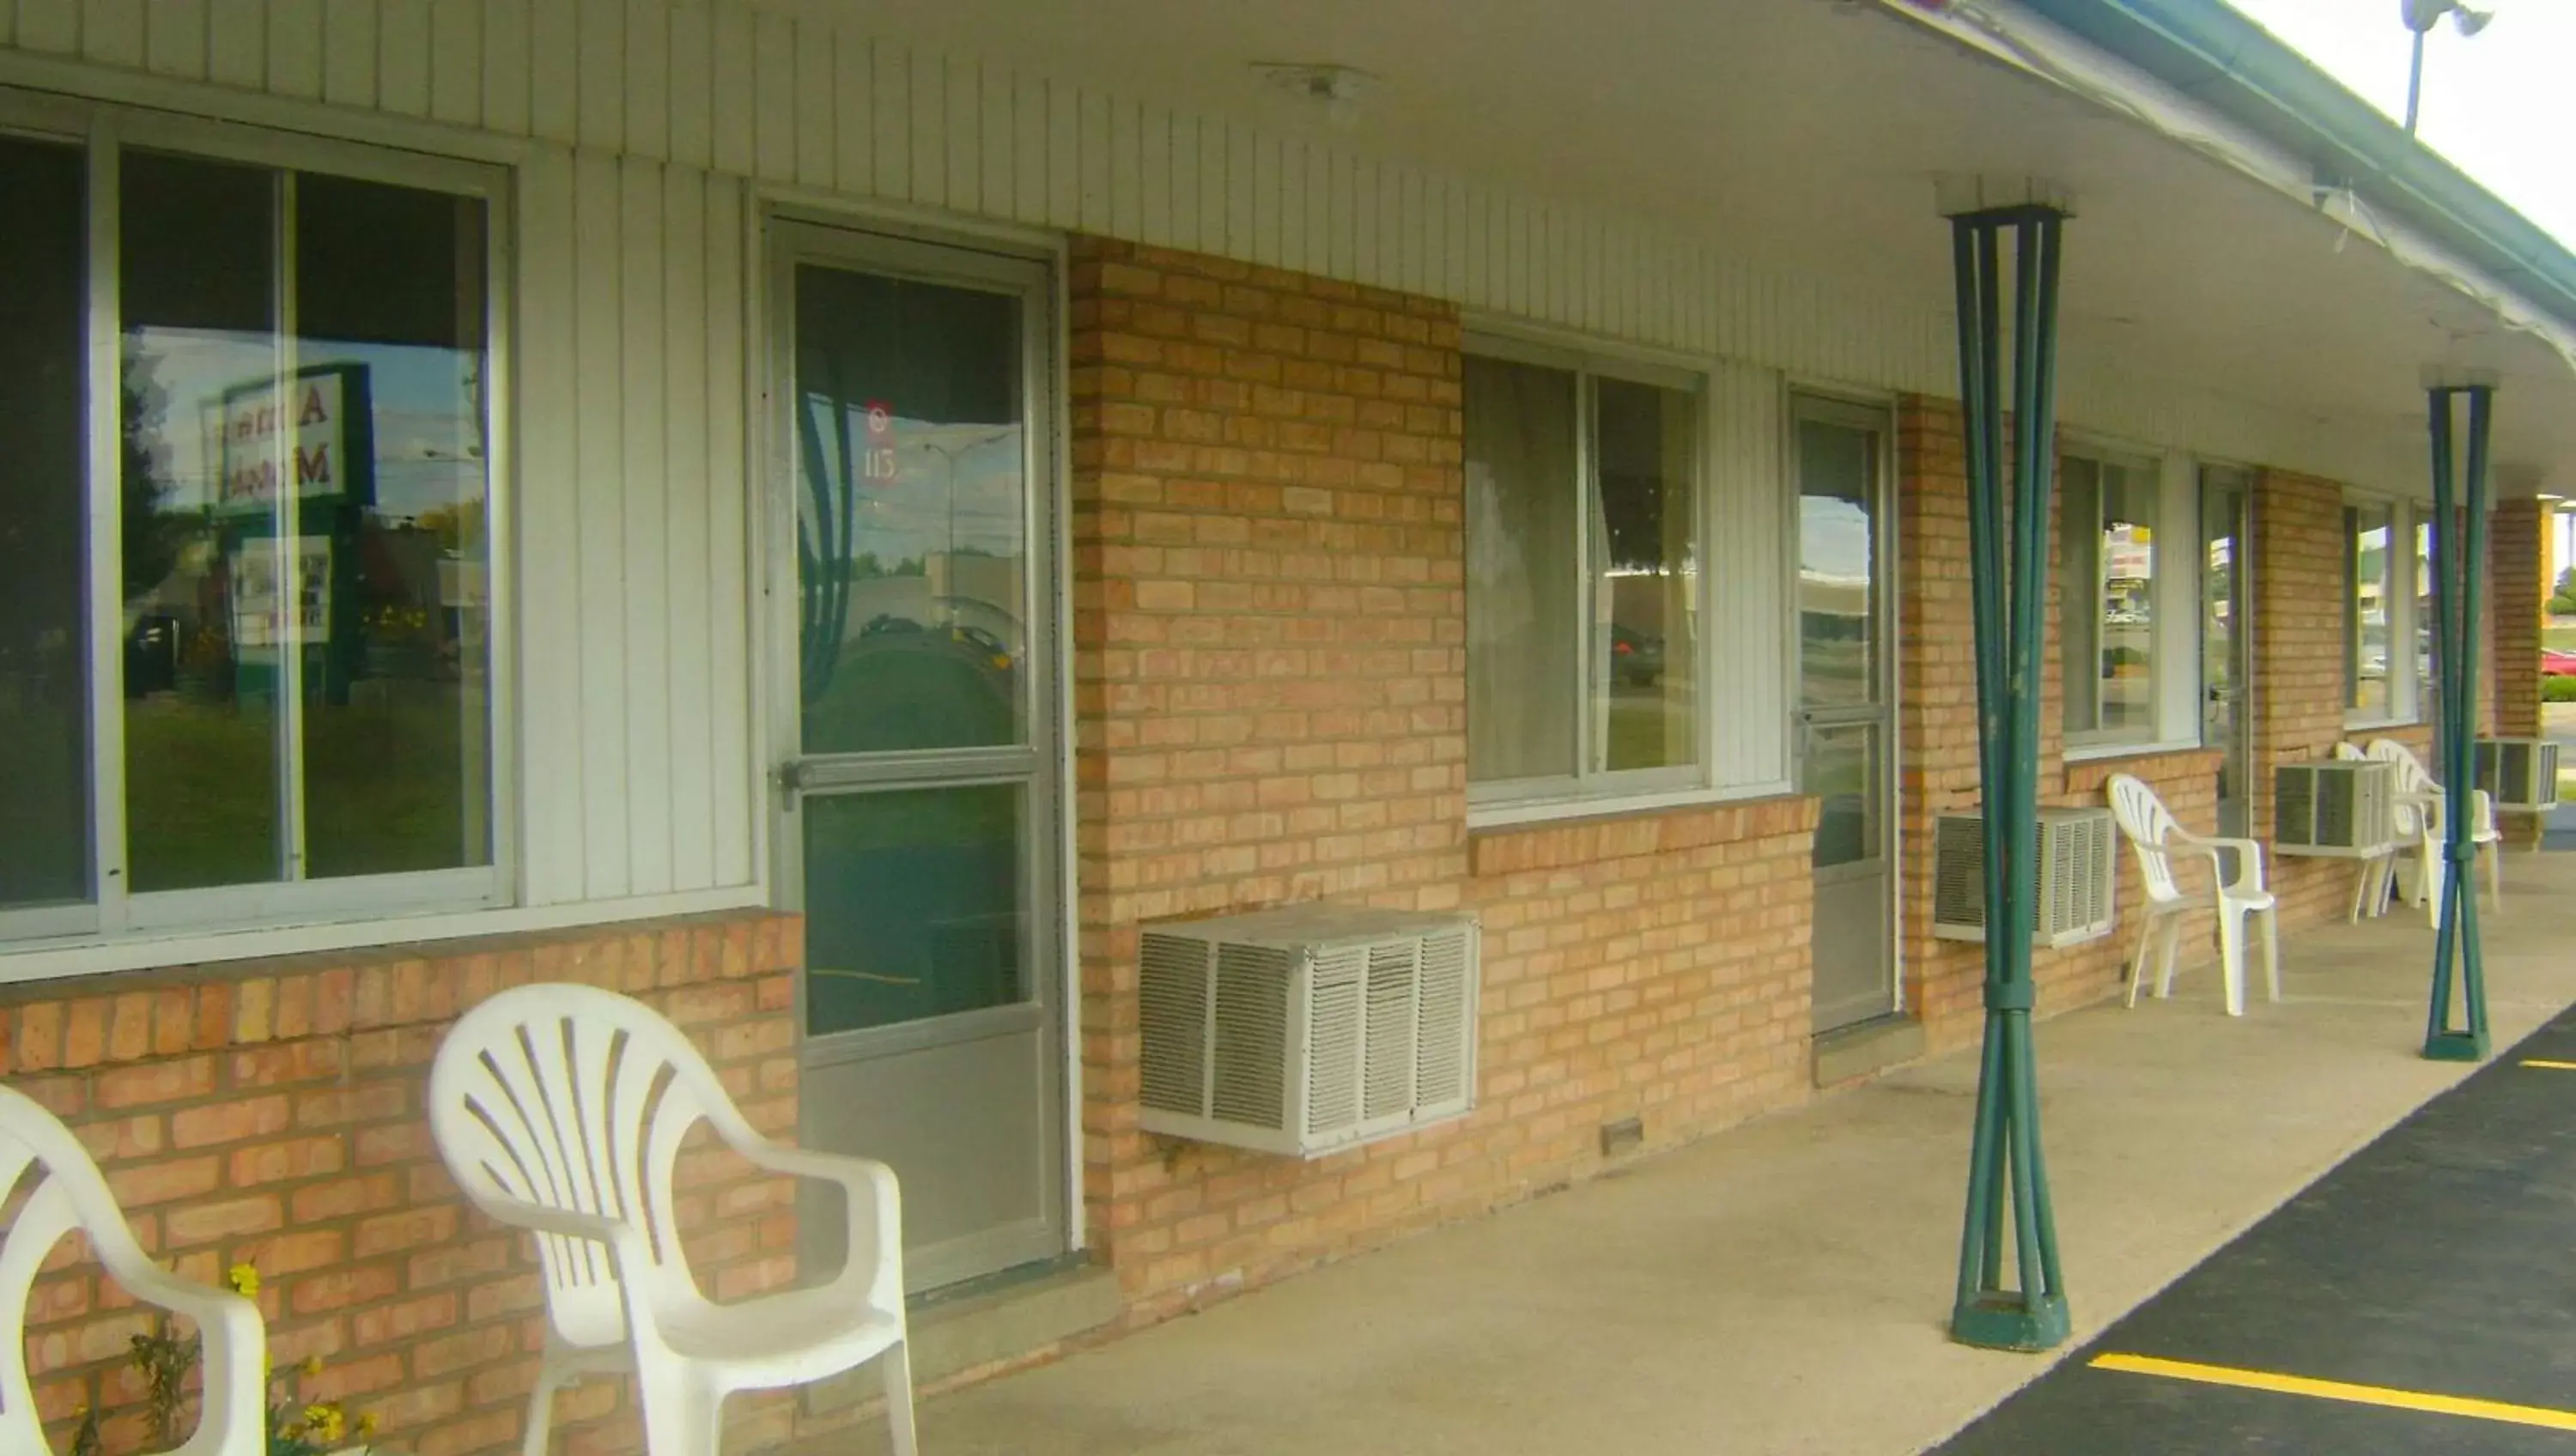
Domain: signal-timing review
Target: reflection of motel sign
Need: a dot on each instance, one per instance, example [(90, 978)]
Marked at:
[(252, 422)]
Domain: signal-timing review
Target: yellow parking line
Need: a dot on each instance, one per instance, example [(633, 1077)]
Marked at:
[(2549, 1066), (2379, 1395)]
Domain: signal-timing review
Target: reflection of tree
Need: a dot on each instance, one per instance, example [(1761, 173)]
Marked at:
[(868, 566), (459, 528), (152, 535), (823, 535)]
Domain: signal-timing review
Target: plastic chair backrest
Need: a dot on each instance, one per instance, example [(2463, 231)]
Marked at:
[(576, 1099), (2146, 821), (65, 1193), (2412, 776)]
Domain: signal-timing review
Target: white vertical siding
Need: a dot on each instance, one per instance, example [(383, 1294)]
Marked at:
[(648, 118), (1748, 576)]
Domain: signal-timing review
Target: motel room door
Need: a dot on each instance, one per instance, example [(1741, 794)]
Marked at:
[(1845, 722), (918, 793), (2227, 639)]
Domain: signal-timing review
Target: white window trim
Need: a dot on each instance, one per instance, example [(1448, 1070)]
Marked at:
[(1505, 802), (117, 930), (2173, 664), (2406, 708), (2126, 748)]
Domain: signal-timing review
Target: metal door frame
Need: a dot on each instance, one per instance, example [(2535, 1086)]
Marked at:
[(1878, 418), (2240, 629), (901, 251)]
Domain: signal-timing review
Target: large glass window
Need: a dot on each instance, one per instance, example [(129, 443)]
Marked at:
[(46, 854), (296, 634), (2369, 603), (1583, 632), (2107, 554)]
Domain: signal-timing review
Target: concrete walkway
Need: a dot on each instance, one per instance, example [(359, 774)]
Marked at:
[(1783, 1288)]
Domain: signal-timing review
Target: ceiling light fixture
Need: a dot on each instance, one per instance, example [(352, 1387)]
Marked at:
[(1338, 88)]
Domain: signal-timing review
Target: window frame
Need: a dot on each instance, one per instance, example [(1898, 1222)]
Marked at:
[(2173, 634), (2406, 697), (1587, 791), (101, 131)]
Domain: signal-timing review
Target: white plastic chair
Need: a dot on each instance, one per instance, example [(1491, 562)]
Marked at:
[(560, 1109), (2427, 801), (68, 1194), (2159, 839)]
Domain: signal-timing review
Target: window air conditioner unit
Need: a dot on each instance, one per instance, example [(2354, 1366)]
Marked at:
[(2077, 851), (2336, 808), (2518, 773), (1308, 1029)]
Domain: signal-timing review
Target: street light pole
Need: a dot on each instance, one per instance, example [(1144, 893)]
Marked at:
[(2414, 82), (2421, 16)]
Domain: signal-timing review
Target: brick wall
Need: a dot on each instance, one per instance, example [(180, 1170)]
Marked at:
[(2298, 708), (272, 1113), (2518, 567), (1270, 619)]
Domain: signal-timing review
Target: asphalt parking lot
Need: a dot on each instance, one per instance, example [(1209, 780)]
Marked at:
[(2416, 1299)]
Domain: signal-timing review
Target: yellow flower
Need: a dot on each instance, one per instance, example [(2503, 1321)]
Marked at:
[(326, 1421), (366, 1425), (244, 1279), (312, 1365)]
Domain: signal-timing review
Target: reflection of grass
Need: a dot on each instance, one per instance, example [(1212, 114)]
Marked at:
[(841, 825), (2559, 634), (918, 694), (911, 900), (1648, 731), (200, 794), (383, 790)]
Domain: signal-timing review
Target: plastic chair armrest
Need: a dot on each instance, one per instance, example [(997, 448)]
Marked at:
[(2249, 859), (233, 1361), (873, 1201), (626, 1248), (2249, 863)]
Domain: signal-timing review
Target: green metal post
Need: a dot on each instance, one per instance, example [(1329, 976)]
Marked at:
[(2458, 569), (2008, 545)]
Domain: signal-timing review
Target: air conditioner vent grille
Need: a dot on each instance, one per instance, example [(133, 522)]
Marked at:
[(2336, 807), (1172, 996), (2518, 773), (1251, 1034), (1309, 1028), (2075, 902)]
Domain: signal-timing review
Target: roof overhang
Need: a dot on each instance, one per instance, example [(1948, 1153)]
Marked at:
[(2208, 264)]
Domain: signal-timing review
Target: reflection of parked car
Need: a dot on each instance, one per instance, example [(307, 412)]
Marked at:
[(885, 624), (1635, 658), (152, 655), (2554, 663), (984, 644)]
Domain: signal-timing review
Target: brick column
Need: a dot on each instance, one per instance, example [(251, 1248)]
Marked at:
[(2518, 581), (1269, 676), (2298, 710), (1936, 703)]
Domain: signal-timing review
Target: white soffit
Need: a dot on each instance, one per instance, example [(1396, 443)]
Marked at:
[(2032, 43)]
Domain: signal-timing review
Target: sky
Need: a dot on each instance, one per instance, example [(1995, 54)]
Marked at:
[(2501, 104)]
